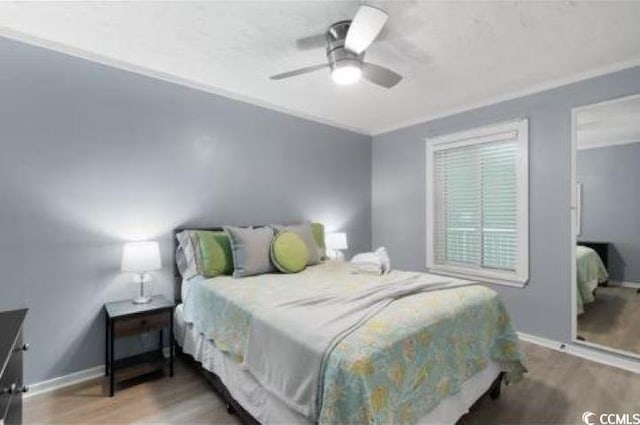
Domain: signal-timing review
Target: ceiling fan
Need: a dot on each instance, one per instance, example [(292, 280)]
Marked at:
[(347, 42)]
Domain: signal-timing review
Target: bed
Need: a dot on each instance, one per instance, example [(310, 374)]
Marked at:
[(590, 271), (424, 358)]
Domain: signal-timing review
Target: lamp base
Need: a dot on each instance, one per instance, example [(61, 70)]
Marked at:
[(144, 297), (335, 255), (142, 300)]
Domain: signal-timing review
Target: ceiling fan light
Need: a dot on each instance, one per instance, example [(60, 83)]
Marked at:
[(346, 74)]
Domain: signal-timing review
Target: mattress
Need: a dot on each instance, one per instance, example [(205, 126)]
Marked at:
[(267, 409)]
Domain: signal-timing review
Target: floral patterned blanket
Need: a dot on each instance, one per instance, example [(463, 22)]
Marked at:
[(398, 365)]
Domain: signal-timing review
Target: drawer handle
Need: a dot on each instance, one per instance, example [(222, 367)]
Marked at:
[(24, 347), (10, 389), (14, 389)]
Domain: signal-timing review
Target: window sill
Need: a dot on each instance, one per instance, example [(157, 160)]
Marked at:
[(482, 278)]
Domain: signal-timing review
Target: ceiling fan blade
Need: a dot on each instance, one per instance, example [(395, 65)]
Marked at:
[(312, 42), (380, 75), (364, 28), (298, 72)]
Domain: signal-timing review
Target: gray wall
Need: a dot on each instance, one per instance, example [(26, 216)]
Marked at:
[(398, 204), (610, 180), (93, 156)]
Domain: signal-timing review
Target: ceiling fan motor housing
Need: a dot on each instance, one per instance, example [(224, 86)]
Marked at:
[(347, 42), (337, 55)]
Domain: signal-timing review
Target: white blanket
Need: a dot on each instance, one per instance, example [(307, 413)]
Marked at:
[(289, 343)]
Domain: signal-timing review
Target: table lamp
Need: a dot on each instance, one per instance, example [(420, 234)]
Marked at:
[(141, 258), (335, 243)]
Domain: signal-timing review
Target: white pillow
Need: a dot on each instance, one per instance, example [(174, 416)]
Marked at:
[(186, 255)]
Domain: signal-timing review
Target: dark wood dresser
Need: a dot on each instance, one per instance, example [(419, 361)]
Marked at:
[(11, 377)]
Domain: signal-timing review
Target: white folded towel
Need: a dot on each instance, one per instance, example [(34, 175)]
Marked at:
[(366, 258), (384, 258), (377, 262), (364, 268)]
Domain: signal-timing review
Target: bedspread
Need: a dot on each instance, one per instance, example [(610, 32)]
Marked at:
[(590, 271), (398, 365)]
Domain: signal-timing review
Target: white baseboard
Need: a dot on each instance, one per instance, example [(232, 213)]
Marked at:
[(572, 349), (64, 381), (585, 352), (71, 379), (544, 342), (624, 284)]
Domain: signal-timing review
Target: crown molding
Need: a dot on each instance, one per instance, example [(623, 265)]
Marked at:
[(147, 72), (553, 84), (170, 78), (602, 144)]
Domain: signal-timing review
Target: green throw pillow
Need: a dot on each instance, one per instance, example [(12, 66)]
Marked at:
[(289, 252), (318, 235), (215, 249)]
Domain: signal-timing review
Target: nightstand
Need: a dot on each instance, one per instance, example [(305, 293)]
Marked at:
[(124, 318)]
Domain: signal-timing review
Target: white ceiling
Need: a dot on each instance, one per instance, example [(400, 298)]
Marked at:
[(610, 123), (453, 55)]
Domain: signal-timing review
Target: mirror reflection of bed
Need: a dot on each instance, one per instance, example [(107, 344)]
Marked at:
[(607, 290)]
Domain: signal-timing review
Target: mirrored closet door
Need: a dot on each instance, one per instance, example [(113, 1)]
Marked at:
[(607, 225)]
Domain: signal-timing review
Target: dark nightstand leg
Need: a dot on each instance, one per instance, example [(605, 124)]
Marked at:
[(112, 376), (106, 345), (171, 343)]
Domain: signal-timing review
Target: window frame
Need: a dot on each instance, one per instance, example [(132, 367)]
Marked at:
[(471, 137)]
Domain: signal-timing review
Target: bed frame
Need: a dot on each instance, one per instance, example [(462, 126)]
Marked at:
[(233, 407)]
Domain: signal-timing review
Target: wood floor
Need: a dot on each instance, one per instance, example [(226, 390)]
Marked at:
[(187, 398), (613, 318), (558, 389)]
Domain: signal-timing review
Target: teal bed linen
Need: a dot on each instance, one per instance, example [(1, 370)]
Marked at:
[(590, 271), (398, 365)]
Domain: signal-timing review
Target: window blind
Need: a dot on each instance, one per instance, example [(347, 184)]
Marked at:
[(476, 203)]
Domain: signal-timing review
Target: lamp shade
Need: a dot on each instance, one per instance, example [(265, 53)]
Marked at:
[(141, 257), (337, 240)]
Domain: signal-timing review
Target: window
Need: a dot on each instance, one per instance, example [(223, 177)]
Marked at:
[(478, 204)]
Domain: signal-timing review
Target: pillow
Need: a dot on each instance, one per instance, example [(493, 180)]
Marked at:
[(213, 253), (318, 235), (186, 255), (289, 252), (189, 254), (251, 250), (305, 232)]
